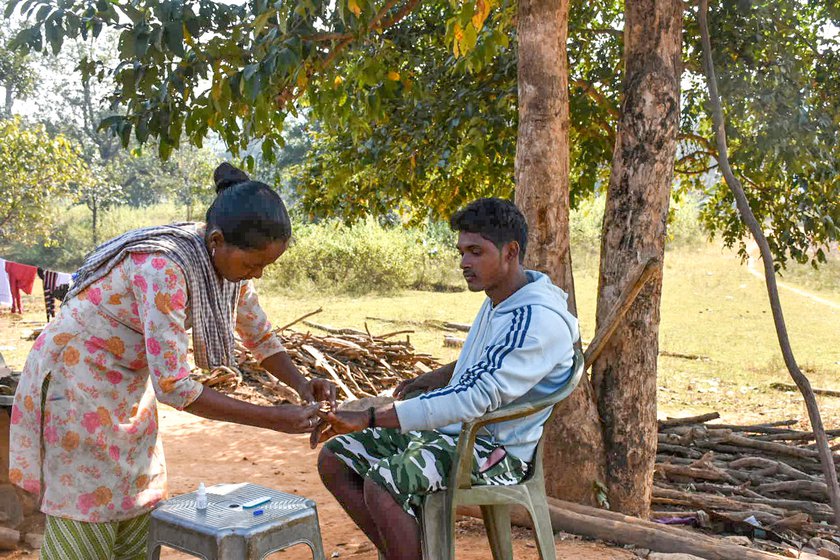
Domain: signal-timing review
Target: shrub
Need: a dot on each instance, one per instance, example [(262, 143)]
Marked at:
[(362, 258)]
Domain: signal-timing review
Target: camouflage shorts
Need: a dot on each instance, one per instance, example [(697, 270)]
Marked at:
[(413, 464)]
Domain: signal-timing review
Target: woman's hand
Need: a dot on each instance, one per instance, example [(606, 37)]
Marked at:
[(332, 424), (294, 419), (316, 390)]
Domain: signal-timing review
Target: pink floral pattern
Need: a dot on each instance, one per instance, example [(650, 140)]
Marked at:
[(110, 354)]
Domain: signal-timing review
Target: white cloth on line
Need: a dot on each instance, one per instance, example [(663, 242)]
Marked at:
[(63, 278), (5, 290)]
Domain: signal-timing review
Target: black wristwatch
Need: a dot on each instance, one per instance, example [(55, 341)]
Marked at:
[(371, 417)]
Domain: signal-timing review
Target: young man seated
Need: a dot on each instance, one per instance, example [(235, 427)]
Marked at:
[(520, 344)]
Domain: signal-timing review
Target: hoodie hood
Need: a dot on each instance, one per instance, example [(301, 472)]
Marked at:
[(540, 291)]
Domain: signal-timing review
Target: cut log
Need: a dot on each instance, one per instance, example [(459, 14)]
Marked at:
[(761, 462), (792, 387), (704, 473), (671, 422), (812, 488), (617, 528), (9, 539)]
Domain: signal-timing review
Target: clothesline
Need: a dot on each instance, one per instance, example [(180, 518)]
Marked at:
[(16, 277)]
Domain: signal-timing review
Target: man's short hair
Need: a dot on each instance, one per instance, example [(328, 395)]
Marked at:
[(496, 220)]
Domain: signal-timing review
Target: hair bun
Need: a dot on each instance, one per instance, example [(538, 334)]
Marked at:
[(227, 175)]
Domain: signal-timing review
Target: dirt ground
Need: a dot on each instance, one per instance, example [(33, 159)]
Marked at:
[(199, 450)]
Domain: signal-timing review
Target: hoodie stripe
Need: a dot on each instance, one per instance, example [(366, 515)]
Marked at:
[(495, 356)]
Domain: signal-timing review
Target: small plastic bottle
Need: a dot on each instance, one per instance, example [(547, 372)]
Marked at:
[(201, 497)]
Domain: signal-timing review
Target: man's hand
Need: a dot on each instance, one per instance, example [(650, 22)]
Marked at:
[(427, 382), (317, 390), (336, 423)]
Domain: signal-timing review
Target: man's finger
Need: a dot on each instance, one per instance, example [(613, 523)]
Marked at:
[(316, 434), (327, 434)]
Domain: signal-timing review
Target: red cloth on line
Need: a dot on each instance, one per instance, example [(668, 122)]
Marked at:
[(21, 277)]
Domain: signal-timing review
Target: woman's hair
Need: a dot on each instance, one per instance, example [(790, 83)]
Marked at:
[(249, 214)]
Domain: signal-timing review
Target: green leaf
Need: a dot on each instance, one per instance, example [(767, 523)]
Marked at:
[(174, 36), (127, 44), (250, 70)]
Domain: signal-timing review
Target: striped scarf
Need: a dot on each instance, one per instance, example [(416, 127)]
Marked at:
[(213, 300)]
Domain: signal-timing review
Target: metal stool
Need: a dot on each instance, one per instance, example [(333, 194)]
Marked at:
[(227, 531)]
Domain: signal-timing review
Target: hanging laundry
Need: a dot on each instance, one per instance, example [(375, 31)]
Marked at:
[(48, 277), (21, 277), (5, 290), (56, 285)]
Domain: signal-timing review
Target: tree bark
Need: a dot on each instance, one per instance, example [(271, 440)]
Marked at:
[(94, 208), (10, 100), (574, 457), (624, 377)]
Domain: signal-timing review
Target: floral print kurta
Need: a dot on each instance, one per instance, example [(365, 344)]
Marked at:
[(94, 454)]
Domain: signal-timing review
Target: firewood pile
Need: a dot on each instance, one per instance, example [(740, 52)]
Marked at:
[(359, 363), (764, 481)]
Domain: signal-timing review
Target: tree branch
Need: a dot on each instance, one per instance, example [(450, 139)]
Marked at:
[(378, 23), (769, 272), (596, 96), (695, 171), (603, 31), (708, 144)]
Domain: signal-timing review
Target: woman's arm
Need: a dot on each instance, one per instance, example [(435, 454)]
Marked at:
[(253, 326), (160, 289), (287, 418)]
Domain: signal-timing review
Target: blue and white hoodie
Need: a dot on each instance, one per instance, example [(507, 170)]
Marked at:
[(520, 349)]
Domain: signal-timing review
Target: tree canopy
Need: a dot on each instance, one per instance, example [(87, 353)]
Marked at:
[(16, 74), (37, 171), (413, 104)]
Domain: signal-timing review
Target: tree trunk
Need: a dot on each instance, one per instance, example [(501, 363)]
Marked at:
[(94, 207), (624, 377), (10, 100), (575, 455)]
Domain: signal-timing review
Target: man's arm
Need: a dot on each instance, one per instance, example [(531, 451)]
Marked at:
[(345, 422), (516, 360), (434, 379)]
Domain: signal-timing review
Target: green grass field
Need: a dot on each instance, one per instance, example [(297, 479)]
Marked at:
[(712, 308)]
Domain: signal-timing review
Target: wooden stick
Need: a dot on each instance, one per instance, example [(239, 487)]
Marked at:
[(333, 330), (791, 387), (671, 422), (709, 473), (761, 462), (768, 428), (808, 487), (299, 319), (321, 361), (636, 280), (395, 333), (778, 448)]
